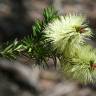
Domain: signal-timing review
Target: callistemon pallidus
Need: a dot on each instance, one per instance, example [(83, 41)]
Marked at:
[(67, 33), (82, 66), (67, 36)]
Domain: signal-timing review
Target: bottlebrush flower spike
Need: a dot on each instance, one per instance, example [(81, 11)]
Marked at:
[(82, 67), (68, 32)]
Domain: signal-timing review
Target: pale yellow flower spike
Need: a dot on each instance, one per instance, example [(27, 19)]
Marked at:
[(69, 29)]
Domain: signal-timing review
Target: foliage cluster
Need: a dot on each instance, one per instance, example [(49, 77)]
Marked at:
[(34, 45)]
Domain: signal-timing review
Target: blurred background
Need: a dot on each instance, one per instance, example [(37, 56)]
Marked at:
[(17, 16)]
